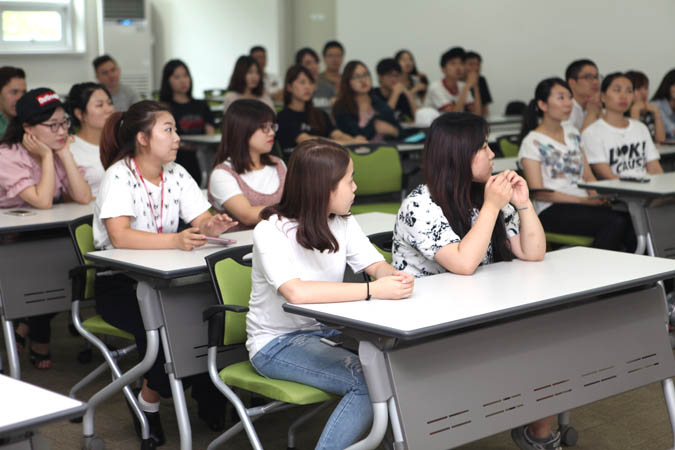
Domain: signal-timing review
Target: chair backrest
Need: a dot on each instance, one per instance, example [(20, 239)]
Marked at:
[(515, 108), (378, 171), (383, 243), (231, 276), (509, 145), (82, 235)]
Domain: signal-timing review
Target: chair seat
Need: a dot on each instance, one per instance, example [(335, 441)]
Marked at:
[(244, 376), (97, 325), (390, 208), (569, 239)]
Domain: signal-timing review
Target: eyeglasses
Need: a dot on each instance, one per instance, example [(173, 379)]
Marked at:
[(362, 76), (590, 77), (266, 128), (54, 126)]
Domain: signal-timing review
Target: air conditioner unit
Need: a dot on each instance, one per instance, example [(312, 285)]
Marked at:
[(127, 37)]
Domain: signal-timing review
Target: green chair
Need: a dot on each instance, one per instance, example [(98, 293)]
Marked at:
[(231, 275), (83, 278), (509, 145), (378, 174)]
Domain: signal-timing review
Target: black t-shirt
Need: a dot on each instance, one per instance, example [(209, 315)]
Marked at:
[(485, 97), (292, 123), (192, 117), (402, 111)]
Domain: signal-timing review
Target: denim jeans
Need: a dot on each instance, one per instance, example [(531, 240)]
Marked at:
[(301, 357)]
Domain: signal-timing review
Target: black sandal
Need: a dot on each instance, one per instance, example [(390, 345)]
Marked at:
[(20, 343), (38, 358)]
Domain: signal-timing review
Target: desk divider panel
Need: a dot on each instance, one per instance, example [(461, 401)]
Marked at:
[(661, 220), (34, 276), (463, 387)]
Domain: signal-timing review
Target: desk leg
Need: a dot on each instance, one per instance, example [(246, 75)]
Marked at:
[(394, 420), (669, 394), (380, 421), (637, 214), (10, 345), (184, 429)]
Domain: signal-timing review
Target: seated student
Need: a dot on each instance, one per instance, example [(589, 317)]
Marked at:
[(451, 94), (12, 87), (272, 83), (246, 82), (584, 79), (89, 105), (664, 98), (142, 197), (246, 178), (108, 74), (38, 169), (413, 80), (465, 217), (325, 92), (300, 249), (393, 92), (472, 63), (333, 55), (643, 110), (615, 145), (552, 158), (300, 120), (359, 114)]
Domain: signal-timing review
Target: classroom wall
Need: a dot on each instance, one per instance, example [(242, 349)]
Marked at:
[(521, 41)]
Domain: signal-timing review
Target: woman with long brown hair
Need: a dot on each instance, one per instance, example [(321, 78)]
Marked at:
[(246, 82), (299, 254)]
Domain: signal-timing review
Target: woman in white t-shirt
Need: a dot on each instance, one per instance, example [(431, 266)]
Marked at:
[(299, 254), (246, 178), (142, 197), (554, 164), (617, 146), (89, 106)]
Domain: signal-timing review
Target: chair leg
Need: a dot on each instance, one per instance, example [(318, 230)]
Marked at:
[(301, 421)]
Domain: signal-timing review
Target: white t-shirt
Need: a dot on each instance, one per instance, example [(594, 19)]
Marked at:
[(422, 229), (626, 150), (272, 83), (88, 157), (278, 258), (223, 186), (122, 194), (438, 95), (577, 115), (562, 165)]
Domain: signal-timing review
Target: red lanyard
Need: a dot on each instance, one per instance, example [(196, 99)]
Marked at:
[(159, 227)]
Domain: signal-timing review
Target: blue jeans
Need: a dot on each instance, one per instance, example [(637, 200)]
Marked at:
[(302, 358)]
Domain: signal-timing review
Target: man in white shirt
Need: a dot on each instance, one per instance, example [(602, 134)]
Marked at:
[(273, 85), (108, 74), (584, 79), (450, 94)]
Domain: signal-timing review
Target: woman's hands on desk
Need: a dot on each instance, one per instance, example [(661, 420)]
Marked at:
[(396, 286)]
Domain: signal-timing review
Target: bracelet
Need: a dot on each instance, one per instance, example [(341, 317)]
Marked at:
[(367, 290), (522, 209)]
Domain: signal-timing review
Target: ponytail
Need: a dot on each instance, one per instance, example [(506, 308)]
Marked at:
[(530, 119), (119, 133)]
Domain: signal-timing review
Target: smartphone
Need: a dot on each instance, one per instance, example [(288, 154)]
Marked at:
[(221, 241), (635, 179), (415, 138), (334, 341), (20, 212)]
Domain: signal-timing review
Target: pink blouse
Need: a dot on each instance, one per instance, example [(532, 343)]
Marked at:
[(19, 171)]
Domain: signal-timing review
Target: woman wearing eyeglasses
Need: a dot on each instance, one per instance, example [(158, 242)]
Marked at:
[(359, 114), (246, 178), (37, 169)]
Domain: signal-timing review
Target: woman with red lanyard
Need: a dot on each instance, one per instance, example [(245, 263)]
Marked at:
[(142, 197)]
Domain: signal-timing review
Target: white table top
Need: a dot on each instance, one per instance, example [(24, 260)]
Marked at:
[(662, 185), (492, 119), (502, 164), (448, 302), (26, 406), (201, 138), (665, 149), (173, 263), (59, 215)]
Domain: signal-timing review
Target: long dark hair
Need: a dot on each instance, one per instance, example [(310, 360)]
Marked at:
[(238, 78), (243, 118), (314, 170), (532, 113), (78, 98), (316, 119), (663, 91), (119, 133), (453, 140), (14, 132), (165, 91), (345, 100)]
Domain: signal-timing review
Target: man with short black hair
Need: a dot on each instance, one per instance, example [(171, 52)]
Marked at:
[(450, 94), (108, 74), (584, 79), (472, 63), (393, 92), (272, 83), (12, 87), (333, 54)]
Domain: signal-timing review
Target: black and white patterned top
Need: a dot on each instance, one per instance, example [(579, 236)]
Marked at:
[(422, 229)]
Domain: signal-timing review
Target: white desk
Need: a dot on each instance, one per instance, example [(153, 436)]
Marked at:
[(30, 245), (26, 407), (502, 164), (468, 357), (209, 139), (651, 208), (174, 289)]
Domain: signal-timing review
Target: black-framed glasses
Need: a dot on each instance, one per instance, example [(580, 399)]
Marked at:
[(267, 127), (590, 77), (54, 126)]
